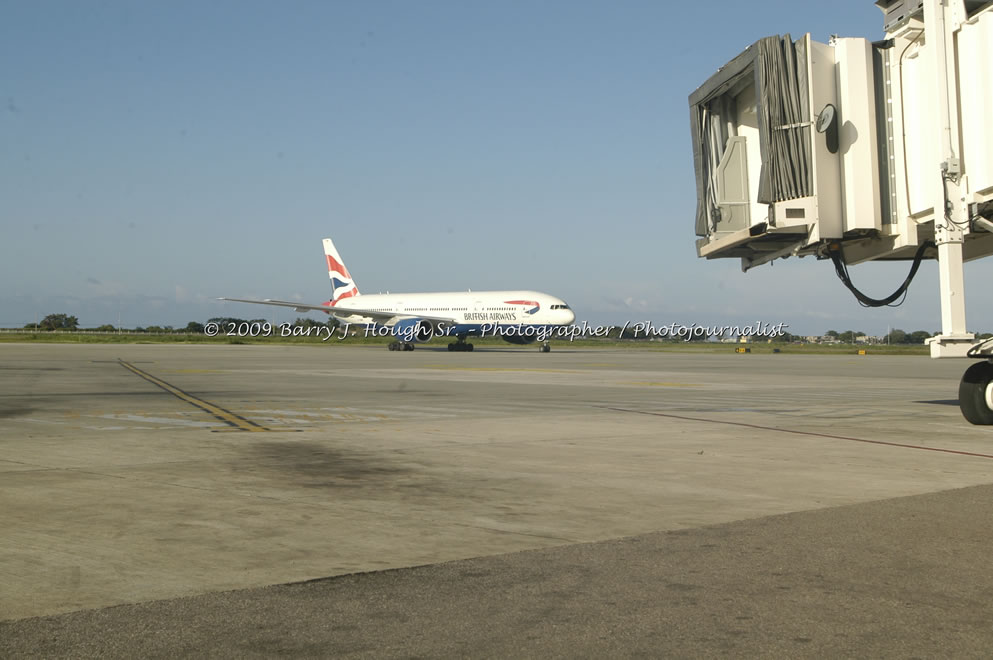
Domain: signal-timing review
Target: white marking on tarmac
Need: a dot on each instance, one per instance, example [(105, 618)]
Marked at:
[(162, 420), (89, 427), (304, 417), (40, 421), (349, 414)]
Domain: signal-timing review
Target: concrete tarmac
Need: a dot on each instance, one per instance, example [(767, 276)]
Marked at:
[(138, 473)]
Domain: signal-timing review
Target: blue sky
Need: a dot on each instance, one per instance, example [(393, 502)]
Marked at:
[(155, 156)]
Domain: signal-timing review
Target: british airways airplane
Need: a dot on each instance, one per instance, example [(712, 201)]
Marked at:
[(519, 317)]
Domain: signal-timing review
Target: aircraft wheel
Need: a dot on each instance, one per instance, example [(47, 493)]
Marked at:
[(408, 347), (392, 346), (545, 348), (468, 347), (976, 393), (451, 346)]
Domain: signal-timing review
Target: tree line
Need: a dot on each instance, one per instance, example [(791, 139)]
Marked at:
[(895, 336), (54, 322)]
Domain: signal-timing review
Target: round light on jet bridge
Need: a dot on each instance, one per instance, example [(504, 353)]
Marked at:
[(826, 118)]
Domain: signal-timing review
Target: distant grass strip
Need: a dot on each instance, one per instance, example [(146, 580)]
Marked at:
[(641, 345)]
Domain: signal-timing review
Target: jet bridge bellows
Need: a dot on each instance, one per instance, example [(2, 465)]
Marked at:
[(780, 167)]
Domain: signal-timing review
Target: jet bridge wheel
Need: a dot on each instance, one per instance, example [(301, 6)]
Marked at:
[(976, 393)]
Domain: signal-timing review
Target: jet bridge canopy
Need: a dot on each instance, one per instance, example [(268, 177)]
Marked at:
[(761, 97)]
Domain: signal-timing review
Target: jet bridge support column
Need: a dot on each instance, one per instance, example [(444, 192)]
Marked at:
[(942, 19), (954, 340)]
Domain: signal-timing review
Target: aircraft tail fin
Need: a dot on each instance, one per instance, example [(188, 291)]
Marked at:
[(342, 284)]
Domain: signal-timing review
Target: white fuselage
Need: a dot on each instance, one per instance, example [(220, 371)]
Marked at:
[(466, 309)]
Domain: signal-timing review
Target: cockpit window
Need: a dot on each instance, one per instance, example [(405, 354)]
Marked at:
[(560, 307)]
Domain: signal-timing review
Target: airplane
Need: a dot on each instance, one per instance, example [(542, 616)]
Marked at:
[(519, 317)]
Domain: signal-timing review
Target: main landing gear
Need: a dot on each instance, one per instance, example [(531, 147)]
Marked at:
[(544, 348), (401, 346), (459, 345), (976, 393)]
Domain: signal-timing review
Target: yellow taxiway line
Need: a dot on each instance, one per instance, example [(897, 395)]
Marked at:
[(226, 416)]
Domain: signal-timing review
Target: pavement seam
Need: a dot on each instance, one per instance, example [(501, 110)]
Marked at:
[(798, 432)]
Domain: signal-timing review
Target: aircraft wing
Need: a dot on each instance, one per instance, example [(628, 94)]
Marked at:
[(375, 315), (300, 307)]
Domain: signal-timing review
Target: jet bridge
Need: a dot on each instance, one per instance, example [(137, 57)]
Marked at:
[(860, 150)]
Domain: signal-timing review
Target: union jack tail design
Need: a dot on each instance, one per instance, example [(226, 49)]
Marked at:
[(342, 285)]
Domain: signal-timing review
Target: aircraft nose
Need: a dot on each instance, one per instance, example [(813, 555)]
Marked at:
[(570, 316)]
